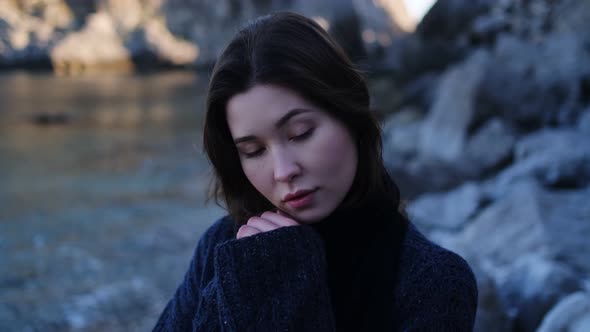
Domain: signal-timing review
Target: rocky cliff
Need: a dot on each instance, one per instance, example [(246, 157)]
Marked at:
[(75, 36)]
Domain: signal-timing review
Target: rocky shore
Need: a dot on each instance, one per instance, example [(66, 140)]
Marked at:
[(485, 108), (491, 145)]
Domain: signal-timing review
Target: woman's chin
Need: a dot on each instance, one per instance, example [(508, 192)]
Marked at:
[(309, 217)]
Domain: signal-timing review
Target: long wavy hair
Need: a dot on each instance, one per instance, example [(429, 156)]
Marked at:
[(294, 52)]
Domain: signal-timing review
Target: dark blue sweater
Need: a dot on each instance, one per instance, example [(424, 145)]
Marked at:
[(299, 278)]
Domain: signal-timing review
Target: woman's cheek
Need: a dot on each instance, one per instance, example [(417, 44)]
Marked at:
[(255, 171)]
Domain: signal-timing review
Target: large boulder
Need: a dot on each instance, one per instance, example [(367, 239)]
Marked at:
[(445, 129)]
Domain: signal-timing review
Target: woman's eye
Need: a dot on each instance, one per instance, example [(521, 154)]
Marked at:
[(253, 154), (303, 136)]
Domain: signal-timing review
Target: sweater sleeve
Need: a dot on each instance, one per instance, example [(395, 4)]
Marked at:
[(272, 281), (445, 298)]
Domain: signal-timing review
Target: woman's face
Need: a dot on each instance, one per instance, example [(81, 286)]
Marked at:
[(295, 154)]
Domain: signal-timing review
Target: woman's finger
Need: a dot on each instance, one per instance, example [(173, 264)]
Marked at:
[(245, 231), (278, 219), (262, 224)]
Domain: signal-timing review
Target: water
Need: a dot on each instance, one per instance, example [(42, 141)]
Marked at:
[(102, 185)]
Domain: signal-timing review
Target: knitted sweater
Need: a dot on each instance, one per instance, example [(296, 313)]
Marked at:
[(282, 281)]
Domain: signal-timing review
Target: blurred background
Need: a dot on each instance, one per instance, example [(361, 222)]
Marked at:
[(485, 109)]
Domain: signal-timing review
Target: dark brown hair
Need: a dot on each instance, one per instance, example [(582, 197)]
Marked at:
[(291, 51)]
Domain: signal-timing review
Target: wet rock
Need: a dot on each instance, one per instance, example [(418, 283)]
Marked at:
[(571, 314)]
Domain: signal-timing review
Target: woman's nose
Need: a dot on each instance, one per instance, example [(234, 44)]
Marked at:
[(285, 166)]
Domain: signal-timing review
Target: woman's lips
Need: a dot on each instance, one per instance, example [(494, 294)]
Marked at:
[(301, 201)]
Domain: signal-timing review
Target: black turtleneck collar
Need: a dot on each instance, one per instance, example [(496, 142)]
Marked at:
[(362, 250)]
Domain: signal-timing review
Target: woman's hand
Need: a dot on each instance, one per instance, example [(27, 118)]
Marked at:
[(267, 221)]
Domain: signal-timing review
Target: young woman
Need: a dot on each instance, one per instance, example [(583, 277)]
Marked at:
[(314, 240)]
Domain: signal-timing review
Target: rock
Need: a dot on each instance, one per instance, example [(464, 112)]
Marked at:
[(532, 219), (448, 210), (177, 32), (400, 135), (584, 121), (161, 44), (98, 43), (491, 315), (532, 84), (571, 314), (485, 28), (564, 163), (449, 18), (509, 227), (444, 131), (417, 176), (532, 286), (566, 217), (491, 146)]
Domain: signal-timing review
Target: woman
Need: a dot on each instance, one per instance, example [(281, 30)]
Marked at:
[(313, 240)]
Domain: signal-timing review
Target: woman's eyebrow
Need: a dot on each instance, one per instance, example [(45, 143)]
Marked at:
[(281, 122), (285, 118)]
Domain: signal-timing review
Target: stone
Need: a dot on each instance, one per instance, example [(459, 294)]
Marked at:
[(444, 131), (532, 285), (446, 210), (97, 43), (584, 121), (533, 84), (491, 316), (177, 32), (515, 219), (532, 219), (571, 314), (490, 146), (400, 134), (565, 163)]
